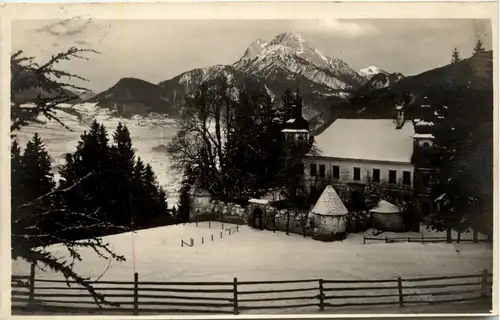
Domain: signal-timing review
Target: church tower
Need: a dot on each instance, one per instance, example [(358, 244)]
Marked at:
[(295, 130), (423, 160)]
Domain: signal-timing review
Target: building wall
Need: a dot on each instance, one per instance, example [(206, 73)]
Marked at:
[(347, 169), (329, 225)]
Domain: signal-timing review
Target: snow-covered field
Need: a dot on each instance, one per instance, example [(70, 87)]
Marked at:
[(252, 255), (146, 132)]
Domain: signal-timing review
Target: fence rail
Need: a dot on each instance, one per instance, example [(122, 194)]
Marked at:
[(421, 239), (232, 297)]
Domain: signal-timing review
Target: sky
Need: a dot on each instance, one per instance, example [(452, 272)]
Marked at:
[(157, 50)]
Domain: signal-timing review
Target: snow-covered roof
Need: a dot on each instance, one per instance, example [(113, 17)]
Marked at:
[(422, 136), (423, 123), (399, 107), (367, 139), (197, 191), (295, 130), (329, 204), (258, 201), (290, 121), (385, 207)]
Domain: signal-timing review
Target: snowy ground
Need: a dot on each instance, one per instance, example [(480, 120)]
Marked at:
[(146, 133), (252, 255)]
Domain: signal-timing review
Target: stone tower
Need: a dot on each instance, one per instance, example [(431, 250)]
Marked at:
[(423, 160)]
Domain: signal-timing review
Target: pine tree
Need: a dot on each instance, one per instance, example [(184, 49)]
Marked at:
[(37, 166), (455, 56), (123, 158), (36, 179), (478, 48), (16, 175)]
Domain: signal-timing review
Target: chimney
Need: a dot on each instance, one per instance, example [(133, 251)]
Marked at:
[(400, 117)]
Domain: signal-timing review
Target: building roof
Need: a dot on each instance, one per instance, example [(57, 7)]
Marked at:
[(422, 136), (367, 139), (329, 204), (258, 201), (385, 207)]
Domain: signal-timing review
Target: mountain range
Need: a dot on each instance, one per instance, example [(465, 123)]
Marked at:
[(287, 61)]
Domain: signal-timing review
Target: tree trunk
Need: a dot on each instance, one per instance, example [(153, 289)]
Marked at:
[(448, 235)]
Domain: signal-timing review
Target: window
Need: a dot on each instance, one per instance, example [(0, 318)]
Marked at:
[(312, 170), (356, 174), (336, 172), (376, 175), (392, 176), (322, 170), (407, 178)]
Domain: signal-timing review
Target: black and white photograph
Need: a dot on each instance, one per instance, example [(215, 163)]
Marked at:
[(251, 166)]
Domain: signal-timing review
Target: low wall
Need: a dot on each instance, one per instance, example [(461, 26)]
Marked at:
[(388, 222)]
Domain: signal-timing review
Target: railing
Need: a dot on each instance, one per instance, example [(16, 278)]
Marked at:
[(423, 239), (233, 297)]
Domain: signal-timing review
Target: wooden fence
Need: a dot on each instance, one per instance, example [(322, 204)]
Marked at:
[(32, 295), (421, 239), (202, 240)]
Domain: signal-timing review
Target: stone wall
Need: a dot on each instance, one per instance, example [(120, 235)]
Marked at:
[(204, 208), (330, 226)]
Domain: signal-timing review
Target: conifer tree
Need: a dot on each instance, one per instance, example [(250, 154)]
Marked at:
[(455, 56), (16, 175), (37, 165), (478, 48), (123, 158)]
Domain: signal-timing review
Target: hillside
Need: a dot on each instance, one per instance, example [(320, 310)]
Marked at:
[(26, 87), (131, 96)]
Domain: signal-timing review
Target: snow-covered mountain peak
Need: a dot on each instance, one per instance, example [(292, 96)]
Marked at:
[(255, 48), (288, 38), (371, 71), (289, 52)]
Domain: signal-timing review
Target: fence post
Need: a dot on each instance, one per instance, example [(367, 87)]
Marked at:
[(212, 237), (196, 223), (222, 226), (400, 292), (202, 240), (192, 241), (235, 296), (422, 236), (221, 234), (136, 294), (182, 243), (32, 284), (484, 283), (386, 240), (475, 236), (364, 239), (321, 296), (209, 224), (408, 239), (238, 228)]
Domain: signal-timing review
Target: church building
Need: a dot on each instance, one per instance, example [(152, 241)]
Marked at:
[(355, 152)]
